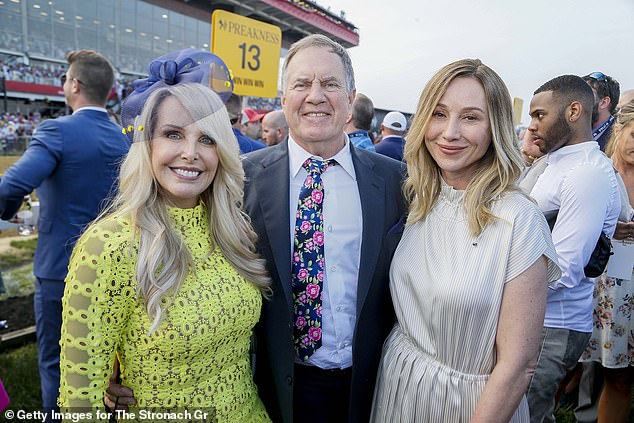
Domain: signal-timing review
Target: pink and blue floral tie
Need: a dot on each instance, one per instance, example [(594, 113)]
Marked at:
[(308, 261)]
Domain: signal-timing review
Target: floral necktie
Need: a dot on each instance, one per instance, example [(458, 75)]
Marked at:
[(308, 261)]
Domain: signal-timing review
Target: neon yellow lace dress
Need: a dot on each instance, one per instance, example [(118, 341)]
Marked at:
[(198, 359)]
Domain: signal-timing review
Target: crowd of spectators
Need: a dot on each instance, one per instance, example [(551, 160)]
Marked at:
[(16, 130), (48, 74)]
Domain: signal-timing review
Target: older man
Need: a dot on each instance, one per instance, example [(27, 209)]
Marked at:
[(327, 215)]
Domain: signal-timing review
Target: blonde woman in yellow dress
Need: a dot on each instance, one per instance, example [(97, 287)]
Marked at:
[(167, 280)]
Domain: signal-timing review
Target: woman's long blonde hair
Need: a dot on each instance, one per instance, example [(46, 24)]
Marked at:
[(163, 261), (498, 170), (615, 148)]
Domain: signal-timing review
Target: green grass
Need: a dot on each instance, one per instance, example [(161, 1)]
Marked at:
[(18, 282), (21, 252), (21, 378), (565, 415), (16, 265), (25, 244), (6, 162)]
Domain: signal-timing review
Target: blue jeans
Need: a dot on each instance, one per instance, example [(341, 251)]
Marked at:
[(48, 324), (560, 350)]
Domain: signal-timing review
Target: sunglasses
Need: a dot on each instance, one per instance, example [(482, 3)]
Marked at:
[(63, 78), (598, 76), (601, 77)]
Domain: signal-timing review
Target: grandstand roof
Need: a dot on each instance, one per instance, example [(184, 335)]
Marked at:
[(303, 16), (296, 18)]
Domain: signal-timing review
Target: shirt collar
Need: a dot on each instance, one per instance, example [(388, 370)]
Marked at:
[(359, 133), (297, 156), (95, 108), (396, 137), (571, 149)]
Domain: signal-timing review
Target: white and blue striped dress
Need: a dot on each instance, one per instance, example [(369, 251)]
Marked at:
[(447, 289)]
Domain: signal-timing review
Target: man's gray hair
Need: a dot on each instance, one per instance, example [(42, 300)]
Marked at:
[(321, 41)]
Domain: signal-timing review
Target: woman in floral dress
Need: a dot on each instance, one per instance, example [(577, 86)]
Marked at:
[(612, 342)]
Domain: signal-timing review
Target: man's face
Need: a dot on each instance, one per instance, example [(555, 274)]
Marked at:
[(315, 100), (68, 82), (271, 134), (253, 130), (549, 127)]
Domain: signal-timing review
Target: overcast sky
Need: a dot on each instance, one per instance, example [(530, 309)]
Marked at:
[(527, 42)]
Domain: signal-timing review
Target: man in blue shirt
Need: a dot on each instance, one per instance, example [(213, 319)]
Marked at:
[(359, 122), (234, 108), (606, 96)]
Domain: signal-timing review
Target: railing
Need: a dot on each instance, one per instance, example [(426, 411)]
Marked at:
[(14, 145)]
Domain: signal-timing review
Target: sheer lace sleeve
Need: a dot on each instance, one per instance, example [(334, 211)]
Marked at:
[(97, 298)]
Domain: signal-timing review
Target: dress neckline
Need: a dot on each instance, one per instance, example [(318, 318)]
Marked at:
[(449, 194), (188, 214)]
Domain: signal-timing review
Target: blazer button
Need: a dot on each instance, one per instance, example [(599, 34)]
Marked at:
[(289, 380)]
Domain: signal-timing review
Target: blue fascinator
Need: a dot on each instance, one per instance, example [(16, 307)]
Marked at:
[(185, 66)]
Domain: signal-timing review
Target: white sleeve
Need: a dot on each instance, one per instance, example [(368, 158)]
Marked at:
[(585, 198)]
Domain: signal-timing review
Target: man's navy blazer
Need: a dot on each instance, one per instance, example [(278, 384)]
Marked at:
[(391, 146), (379, 180), (73, 161)]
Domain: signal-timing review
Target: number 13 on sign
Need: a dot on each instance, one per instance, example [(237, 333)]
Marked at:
[(251, 50)]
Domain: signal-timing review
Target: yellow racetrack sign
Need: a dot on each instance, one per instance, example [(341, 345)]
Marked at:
[(251, 50)]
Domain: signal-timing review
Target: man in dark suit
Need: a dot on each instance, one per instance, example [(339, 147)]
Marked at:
[(73, 162), (393, 130), (331, 379)]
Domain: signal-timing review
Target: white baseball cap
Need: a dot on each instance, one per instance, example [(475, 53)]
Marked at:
[(395, 121)]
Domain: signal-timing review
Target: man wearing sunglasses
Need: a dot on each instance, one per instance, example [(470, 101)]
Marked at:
[(73, 163), (606, 96)]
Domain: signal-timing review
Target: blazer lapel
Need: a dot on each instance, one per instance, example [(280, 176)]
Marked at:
[(272, 184), (372, 194)]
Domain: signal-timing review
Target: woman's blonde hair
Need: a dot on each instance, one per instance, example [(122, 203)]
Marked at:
[(497, 171), (163, 261), (615, 148)]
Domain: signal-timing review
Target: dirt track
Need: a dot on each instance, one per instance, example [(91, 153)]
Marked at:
[(5, 242)]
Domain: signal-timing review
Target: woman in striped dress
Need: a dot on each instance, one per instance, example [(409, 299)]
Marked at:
[(469, 277)]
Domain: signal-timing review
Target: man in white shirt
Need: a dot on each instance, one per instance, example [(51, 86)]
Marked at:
[(330, 377), (580, 183)]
